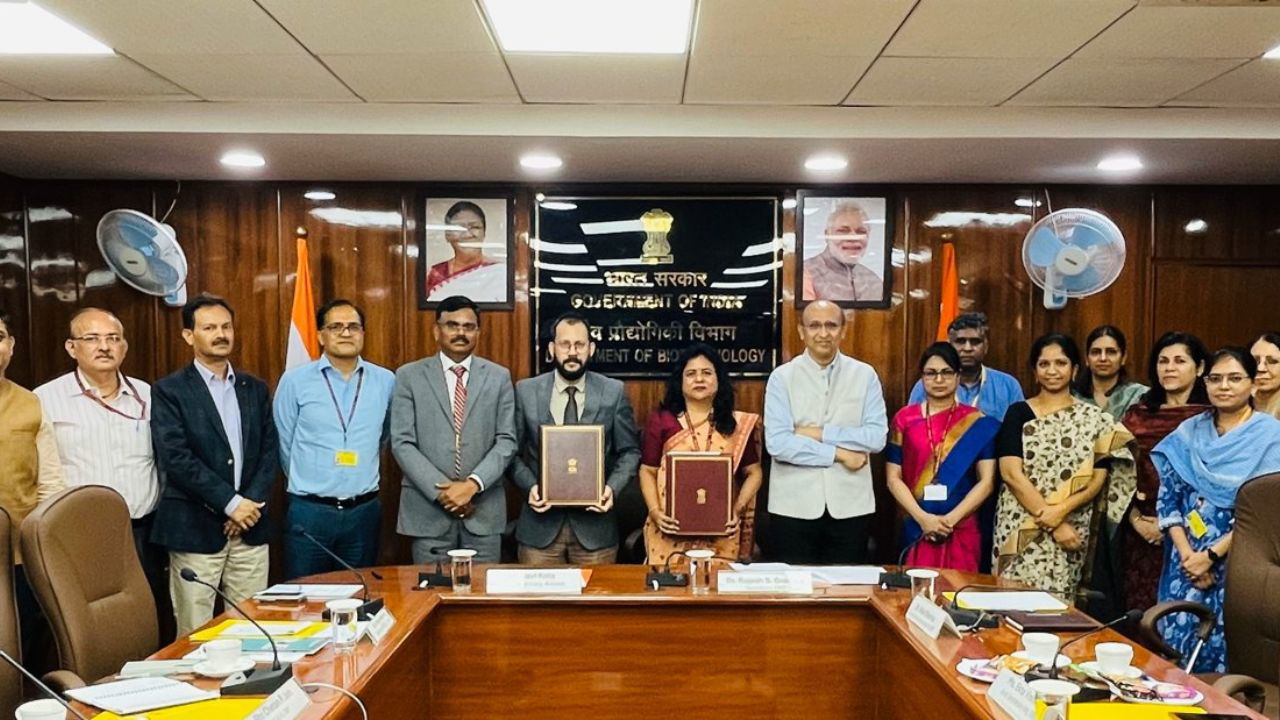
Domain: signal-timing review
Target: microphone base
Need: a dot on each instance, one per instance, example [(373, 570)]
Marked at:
[(262, 681), (434, 580), (895, 580), (665, 579), (364, 612), (967, 618)]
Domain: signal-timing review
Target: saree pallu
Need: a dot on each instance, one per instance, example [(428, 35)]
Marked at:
[(960, 438), (658, 545)]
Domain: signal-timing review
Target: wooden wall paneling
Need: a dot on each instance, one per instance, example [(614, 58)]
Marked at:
[(54, 275), (1256, 231), (14, 289), (1194, 222), (1223, 304)]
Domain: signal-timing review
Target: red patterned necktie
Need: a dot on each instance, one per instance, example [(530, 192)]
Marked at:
[(459, 406)]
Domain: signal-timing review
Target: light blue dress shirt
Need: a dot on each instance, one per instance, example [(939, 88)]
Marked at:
[(994, 392), (223, 392), (311, 433), (786, 445)]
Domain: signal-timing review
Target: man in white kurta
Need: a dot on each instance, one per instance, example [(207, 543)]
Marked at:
[(824, 415)]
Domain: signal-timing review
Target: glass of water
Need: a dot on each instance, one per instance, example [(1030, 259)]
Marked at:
[(342, 619), (462, 569), (700, 571)]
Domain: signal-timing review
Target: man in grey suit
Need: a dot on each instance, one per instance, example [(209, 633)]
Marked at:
[(453, 434), (565, 396)]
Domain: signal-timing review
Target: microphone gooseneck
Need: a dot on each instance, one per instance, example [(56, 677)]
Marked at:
[(47, 690), (257, 682), (190, 576), (1130, 616), (299, 530)]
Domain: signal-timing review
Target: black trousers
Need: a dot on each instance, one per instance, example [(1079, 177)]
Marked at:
[(824, 541), (155, 565)]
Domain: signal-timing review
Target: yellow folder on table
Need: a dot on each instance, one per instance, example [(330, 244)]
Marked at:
[(219, 709), (1128, 711), (210, 633)]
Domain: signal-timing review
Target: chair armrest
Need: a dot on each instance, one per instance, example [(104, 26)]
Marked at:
[(1150, 634), (63, 680), (1247, 690), (633, 549)]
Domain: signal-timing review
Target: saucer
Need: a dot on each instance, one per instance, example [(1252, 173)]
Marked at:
[(978, 669), (241, 664), (1061, 662), (1129, 672)]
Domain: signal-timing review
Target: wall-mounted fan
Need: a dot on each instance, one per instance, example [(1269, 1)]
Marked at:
[(1073, 253), (145, 254)]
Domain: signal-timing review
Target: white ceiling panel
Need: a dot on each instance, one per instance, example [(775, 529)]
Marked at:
[(854, 28), (86, 77), (581, 78), (772, 79), (945, 81), (1121, 82), (230, 27), (9, 92), (1181, 31), (356, 27), (250, 77), (1256, 84), (426, 77), (1003, 28)]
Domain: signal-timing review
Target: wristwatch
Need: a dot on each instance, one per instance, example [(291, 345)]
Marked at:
[(1213, 556)]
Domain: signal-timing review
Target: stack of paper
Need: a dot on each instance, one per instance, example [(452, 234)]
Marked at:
[(313, 592), (219, 709), (830, 574), (125, 697), (1024, 601)]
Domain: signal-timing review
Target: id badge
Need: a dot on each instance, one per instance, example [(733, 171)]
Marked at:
[(934, 492), (1196, 523), (346, 458)]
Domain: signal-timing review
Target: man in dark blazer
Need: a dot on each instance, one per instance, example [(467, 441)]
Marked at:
[(568, 395), (215, 443), (453, 434)]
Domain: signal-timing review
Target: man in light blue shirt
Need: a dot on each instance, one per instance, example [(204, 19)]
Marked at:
[(331, 416), (986, 388)]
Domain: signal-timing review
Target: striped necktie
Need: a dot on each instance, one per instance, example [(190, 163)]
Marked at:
[(459, 407)]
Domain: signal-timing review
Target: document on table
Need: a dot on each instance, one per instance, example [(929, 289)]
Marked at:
[(830, 574), (1024, 601), (312, 591), (136, 695), (242, 629)]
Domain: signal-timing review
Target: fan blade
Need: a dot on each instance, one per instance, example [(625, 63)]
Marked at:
[(1087, 236), (162, 272), (1084, 282), (1043, 246)]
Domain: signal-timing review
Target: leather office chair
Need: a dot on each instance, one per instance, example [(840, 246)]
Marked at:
[(79, 556), (1251, 615), (10, 679)]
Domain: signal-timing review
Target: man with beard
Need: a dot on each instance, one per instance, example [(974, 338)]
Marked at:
[(102, 420), (453, 434), (216, 445), (835, 273), (570, 395), (331, 416)]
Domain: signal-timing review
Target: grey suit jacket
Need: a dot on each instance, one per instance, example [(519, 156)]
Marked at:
[(606, 404), (422, 443)]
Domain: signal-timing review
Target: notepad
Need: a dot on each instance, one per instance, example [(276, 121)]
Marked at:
[(242, 629), (1025, 601), (125, 697), (312, 591)]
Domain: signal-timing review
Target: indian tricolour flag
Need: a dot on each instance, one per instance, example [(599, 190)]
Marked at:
[(303, 346)]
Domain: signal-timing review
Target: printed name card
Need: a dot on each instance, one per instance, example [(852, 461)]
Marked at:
[(1012, 694), (786, 582), (286, 703), (930, 619), (380, 625), (551, 581)]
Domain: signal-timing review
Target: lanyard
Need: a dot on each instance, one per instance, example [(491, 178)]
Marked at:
[(935, 450), (693, 431), (345, 422), (98, 399)]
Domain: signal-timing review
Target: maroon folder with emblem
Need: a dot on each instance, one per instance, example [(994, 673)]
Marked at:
[(700, 492), (572, 464)]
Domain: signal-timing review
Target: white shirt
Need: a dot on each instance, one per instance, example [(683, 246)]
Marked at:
[(451, 383), (99, 447)]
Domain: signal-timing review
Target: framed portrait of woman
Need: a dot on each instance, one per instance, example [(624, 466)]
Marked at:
[(844, 245), (465, 247)]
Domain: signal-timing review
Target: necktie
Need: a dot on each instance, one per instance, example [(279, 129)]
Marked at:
[(571, 407), (459, 406)]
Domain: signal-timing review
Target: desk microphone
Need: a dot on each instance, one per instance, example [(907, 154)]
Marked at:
[(439, 578), (1131, 616), (370, 607), (900, 579), (48, 690), (259, 682), (665, 578)]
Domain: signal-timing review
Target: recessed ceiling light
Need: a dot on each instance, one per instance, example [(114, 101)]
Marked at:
[(591, 26), (1196, 226), (319, 195), (789, 204), (243, 159), (1120, 163), (28, 29), (558, 205), (540, 161), (1272, 54), (826, 163)]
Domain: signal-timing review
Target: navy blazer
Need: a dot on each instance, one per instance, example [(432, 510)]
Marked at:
[(199, 471)]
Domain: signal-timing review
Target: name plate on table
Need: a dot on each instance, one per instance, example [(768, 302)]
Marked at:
[(555, 581), (787, 582), (286, 703), (930, 619), (380, 625), (700, 492), (1012, 694), (572, 465)]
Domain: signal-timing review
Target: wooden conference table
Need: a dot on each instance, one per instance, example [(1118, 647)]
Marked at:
[(619, 651)]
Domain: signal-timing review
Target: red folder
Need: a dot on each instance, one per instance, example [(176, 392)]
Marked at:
[(700, 492), (572, 464)]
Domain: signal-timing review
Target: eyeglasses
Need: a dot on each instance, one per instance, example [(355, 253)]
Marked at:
[(945, 374), (340, 328), (830, 326), (111, 339), (566, 346), (968, 341), (1232, 379), (452, 326)]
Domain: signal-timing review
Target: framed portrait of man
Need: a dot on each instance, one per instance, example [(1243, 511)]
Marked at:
[(465, 247), (843, 247)]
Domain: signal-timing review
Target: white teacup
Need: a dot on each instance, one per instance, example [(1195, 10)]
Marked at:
[(1041, 647), (222, 654), (1113, 657), (45, 709)]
